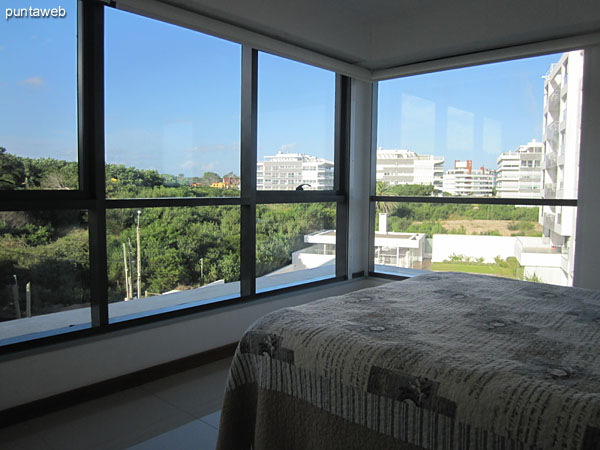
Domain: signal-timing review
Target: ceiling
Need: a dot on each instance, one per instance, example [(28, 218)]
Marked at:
[(378, 34)]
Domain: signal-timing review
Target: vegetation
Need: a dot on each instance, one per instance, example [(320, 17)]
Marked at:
[(181, 248)]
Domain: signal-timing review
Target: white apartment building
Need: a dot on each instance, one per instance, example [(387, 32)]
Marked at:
[(519, 173), (287, 171), (463, 180), (560, 162), (407, 167)]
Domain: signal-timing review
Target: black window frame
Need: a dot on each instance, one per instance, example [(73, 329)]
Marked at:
[(91, 195)]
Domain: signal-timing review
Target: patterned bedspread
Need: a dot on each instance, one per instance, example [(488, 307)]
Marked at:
[(440, 361)]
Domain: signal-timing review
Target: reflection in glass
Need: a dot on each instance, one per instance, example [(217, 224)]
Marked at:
[(508, 130)]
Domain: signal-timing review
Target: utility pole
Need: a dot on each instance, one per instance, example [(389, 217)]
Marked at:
[(28, 299), (202, 270), (130, 268), (16, 298), (126, 275), (139, 258)]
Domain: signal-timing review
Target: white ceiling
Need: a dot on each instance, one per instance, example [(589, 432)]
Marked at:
[(378, 34)]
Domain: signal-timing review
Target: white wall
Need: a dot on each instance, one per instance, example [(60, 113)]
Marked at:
[(587, 247), (29, 376), (487, 247)]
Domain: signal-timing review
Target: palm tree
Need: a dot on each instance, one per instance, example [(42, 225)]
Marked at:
[(382, 190)]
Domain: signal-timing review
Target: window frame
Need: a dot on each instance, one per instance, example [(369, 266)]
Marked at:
[(91, 195)]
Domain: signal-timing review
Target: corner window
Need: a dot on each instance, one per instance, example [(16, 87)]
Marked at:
[(490, 134)]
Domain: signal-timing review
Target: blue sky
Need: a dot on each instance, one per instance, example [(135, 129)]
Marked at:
[(173, 99)]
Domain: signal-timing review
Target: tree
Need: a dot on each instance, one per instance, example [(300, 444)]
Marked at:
[(383, 189), (12, 171)]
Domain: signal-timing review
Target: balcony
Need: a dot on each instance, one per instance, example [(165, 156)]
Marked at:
[(549, 190), (554, 103), (552, 133), (549, 160), (548, 220)]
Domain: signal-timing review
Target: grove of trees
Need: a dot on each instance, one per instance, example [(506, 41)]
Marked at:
[(181, 247)]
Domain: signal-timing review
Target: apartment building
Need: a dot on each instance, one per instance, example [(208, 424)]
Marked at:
[(519, 173), (408, 167), (287, 171), (463, 180), (560, 162)]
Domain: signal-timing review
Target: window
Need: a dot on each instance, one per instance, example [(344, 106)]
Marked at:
[(184, 139), (147, 220), (295, 125), (38, 111), (477, 123)]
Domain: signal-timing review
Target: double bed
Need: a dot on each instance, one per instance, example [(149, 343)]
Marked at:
[(440, 361)]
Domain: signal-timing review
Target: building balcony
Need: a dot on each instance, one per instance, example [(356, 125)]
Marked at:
[(549, 160), (551, 133), (549, 190), (548, 220), (554, 103)]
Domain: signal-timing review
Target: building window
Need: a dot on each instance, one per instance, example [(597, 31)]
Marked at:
[(502, 155)]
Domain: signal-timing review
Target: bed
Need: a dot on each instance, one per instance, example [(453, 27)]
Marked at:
[(440, 361)]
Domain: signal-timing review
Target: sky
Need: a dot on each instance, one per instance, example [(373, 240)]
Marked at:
[(173, 99)]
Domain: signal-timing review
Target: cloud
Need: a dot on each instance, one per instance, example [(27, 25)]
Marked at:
[(287, 147), (235, 146), (189, 164), (417, 126), (33, 82)]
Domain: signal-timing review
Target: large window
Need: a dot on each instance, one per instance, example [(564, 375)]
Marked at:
[(156, 211), (495, 151), (38, 106), (295, 125)]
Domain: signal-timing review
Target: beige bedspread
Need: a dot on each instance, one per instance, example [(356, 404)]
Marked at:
[(440, 361)]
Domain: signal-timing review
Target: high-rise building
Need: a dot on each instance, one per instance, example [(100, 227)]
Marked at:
[(407, 167), (519, 173), (287, 171), (560, 162), (463, 180)]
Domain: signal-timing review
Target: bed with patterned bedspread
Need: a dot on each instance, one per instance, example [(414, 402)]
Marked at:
[(441, 361)]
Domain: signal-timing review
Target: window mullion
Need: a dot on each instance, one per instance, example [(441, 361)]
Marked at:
[(248, 161), (91, 147)]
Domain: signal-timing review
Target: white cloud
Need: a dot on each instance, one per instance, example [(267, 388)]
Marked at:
[(33, 82), (287, 147), (189, 164)]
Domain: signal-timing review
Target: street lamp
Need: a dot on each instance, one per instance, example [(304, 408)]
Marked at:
[(139, 257)]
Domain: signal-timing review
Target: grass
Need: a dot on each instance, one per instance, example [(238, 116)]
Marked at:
[(486, 269)]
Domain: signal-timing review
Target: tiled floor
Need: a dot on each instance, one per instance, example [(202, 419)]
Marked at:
[(178, 412)]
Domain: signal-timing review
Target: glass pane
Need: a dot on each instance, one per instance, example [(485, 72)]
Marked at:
[(296, 122), (44, 271), (38, 92), (172, 110), (527, 243), (186, 255), (508, 130), (295, 243)]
